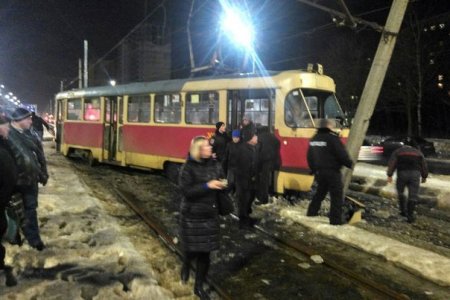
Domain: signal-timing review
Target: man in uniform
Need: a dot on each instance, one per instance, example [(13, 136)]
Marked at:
[(410, 165), (326, 155)]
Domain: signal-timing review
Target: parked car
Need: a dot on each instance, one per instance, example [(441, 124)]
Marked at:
[(370, 152), (393, 143)]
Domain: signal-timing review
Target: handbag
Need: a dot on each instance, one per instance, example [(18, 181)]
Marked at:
[(225, 203)]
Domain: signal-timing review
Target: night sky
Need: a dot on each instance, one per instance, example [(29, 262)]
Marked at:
[(41, 41)]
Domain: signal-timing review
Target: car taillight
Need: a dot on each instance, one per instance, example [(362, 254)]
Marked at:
[(376, 150)]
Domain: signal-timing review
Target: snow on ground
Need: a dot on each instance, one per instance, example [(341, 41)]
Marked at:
[(427, 264), (88, 254), (439, 184)]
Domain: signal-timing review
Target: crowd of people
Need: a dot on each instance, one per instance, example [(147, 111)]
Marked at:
[(237, 167), (242, 166), (23, 167)]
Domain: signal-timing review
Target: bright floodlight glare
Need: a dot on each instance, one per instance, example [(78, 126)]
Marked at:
[(237, 27), (112, 82)]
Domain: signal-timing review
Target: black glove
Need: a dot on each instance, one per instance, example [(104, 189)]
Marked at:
[(43, 179)]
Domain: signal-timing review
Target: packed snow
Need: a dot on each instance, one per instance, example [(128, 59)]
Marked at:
[(89, 254)]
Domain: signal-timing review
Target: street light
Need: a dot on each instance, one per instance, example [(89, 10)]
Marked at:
[(237, 26), (112, 82)]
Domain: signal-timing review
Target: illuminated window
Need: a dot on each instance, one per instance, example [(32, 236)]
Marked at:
[(92, 109), (138, 109), (167, 108)]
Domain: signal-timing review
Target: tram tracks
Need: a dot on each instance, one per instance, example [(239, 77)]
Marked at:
[(377, 288), (159, 227)]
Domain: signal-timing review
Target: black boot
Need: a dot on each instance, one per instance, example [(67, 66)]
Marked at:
[(200, 276), (411, 217), (10, 278), (200, 292), (185, 273)]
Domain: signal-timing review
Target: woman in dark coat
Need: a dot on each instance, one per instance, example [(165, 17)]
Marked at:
[(199, 222)]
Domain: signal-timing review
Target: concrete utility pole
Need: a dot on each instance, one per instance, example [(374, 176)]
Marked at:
[(85, 63), (80, 74), (374, 82)]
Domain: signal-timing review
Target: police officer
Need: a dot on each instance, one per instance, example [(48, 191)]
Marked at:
[(326, 155), (410, 165)]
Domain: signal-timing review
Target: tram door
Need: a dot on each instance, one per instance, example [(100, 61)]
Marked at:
[(111, 132), (60, 113), (257, 104)]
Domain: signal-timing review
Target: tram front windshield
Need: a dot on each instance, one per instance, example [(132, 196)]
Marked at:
[(304, 107)]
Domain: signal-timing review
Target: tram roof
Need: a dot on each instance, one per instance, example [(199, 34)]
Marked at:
[(163, 86)]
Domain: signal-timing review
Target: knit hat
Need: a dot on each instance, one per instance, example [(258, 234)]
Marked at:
[(219, 124), (247, 133), (236, 133), (20, 114)]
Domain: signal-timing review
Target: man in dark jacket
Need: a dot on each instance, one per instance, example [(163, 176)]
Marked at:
[(39, 124), (32, 169), (269, 160), (247, 176), (410, 165), (326, 155), (8, 176), (219, 141)]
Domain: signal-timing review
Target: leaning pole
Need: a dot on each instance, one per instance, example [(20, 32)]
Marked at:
[(373, 83)]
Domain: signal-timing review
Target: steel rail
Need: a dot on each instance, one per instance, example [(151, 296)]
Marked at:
[(131, 201)]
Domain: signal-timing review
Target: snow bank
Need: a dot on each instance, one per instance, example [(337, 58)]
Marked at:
[(87, 255), (427, 264)]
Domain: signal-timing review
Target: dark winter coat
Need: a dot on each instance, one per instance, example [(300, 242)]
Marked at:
[(407, 158), (199, 223), (230, 162), (219, 145), (29, 157), (326, 152), (8, 174), (247, 165), (269, 149)]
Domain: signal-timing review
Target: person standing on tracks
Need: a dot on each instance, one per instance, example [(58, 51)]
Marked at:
[(8, 176), (38, 125), (32, 169), (219, 141), (410, 165), (326, 155), (199, 215), (269, 161), (247, 175)]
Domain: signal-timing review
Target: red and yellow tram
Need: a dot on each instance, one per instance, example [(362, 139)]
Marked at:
[(150, 125)]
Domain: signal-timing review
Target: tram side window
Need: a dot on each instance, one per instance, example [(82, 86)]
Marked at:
[(74, 111), (167, 108), (202, 108), (92, 109), (139, 109)]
